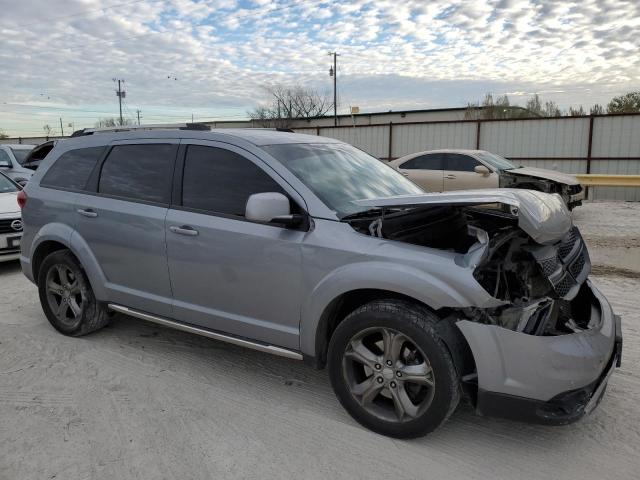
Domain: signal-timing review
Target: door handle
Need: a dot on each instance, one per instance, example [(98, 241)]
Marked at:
[(87, 212), (406, 174), (184, 230), (450, 177)]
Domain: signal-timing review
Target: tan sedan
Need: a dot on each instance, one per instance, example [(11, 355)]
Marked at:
[(446, 170)]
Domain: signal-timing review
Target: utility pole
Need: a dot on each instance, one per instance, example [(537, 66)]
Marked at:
[(192, 118), (333, 72), (61, 129), (121, 94), (138, 113)]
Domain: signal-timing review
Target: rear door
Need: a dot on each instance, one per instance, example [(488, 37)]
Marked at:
[(122, 221), (230, 274), (459, 173), (425, 171)]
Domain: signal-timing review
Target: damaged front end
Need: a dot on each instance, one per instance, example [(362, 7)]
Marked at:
[(521, 246), (545, 347)]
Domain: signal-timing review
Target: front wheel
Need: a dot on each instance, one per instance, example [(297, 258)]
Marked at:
[(391, 370), (66, 296)]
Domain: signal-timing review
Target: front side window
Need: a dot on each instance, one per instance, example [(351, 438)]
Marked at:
[(339, 174), (5, 160), (432, 161), (460, 163), (220, 181), (139, 172), (7, 185), (73, 168)]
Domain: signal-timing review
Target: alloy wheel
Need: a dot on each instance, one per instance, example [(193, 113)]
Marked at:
[(64, 294), (388, 374)]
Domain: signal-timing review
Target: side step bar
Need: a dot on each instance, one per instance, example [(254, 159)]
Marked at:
[(283, 352)]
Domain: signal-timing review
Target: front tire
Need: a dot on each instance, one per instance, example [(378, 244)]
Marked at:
[(66, 296), (391, 370)]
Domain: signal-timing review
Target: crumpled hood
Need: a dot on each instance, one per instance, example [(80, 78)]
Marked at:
[(546, 174), (544, 217)]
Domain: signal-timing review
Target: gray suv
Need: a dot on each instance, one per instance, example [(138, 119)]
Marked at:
[(307, 247)]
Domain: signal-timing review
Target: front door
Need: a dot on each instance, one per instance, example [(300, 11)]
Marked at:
[(459, 173), (229, 274)]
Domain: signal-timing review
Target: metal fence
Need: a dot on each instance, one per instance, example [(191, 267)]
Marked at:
[(602, 144)]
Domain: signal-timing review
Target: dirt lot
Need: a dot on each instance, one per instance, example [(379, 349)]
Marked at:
[(139, 401)]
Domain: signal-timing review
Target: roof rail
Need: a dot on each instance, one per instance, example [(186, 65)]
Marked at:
[(137, 128)]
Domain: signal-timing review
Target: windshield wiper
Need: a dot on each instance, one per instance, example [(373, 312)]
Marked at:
[(363, 213)]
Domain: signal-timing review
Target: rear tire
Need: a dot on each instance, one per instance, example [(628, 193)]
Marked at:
[(66, 296), (391, 370)]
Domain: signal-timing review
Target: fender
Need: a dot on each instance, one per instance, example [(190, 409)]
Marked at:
[(392, 277), (70, 238)]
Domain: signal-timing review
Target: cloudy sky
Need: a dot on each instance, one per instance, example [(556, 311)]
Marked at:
[(211, 58)]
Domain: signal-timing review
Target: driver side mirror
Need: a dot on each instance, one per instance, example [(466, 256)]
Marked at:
[(271, 207), (482, 170)]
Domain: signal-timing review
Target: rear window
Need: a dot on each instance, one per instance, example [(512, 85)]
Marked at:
[(139, 172), (20, 154), (72, 170)]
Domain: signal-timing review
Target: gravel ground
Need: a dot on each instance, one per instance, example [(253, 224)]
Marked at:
[(138, 401)]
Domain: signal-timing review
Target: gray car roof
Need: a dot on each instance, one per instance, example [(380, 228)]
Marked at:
[(255, 136)]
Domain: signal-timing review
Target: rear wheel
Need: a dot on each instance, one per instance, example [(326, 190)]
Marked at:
[(66, 296), (391, 370)]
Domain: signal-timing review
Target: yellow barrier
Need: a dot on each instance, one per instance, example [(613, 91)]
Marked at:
[(595, 179)]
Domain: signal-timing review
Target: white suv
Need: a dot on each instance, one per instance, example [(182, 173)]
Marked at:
[(12, 158), (10, 220)]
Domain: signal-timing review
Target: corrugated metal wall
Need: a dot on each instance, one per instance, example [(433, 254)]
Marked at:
[(554, 143)]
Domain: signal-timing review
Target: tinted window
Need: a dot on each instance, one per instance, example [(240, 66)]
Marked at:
[(221, 181), (72, 169), (461, 163), (139, 172), (20, 154), (425, 162)]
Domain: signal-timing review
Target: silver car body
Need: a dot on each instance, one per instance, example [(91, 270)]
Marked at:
[(276, 286), (14, 169)]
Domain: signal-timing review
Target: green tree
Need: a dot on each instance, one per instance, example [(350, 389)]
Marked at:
[(627, 103)]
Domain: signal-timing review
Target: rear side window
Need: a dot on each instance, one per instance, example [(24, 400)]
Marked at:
[(72, 169), (139, 172), (460, 163), (432, 161), (221, 181)]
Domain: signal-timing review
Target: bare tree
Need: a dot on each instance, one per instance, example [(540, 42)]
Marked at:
[(489, 108), (113, 122), (48, 130), (289, 103), (597, 109), (576, 112), (2, 134), (627, 103)]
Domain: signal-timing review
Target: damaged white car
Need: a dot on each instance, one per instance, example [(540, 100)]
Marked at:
[(308, 248)]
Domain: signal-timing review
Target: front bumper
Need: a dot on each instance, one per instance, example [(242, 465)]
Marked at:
[(544, 379)]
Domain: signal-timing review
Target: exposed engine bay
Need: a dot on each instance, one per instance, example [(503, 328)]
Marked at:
[(541, 286)]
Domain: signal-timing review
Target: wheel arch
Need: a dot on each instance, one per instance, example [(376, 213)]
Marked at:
[(56, 237)]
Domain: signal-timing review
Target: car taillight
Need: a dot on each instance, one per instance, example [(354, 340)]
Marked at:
[(22, 199)]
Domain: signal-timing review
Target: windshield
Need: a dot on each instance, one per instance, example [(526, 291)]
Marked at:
[(339, 174), (7, 185), (496, 161), (20, 154)]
